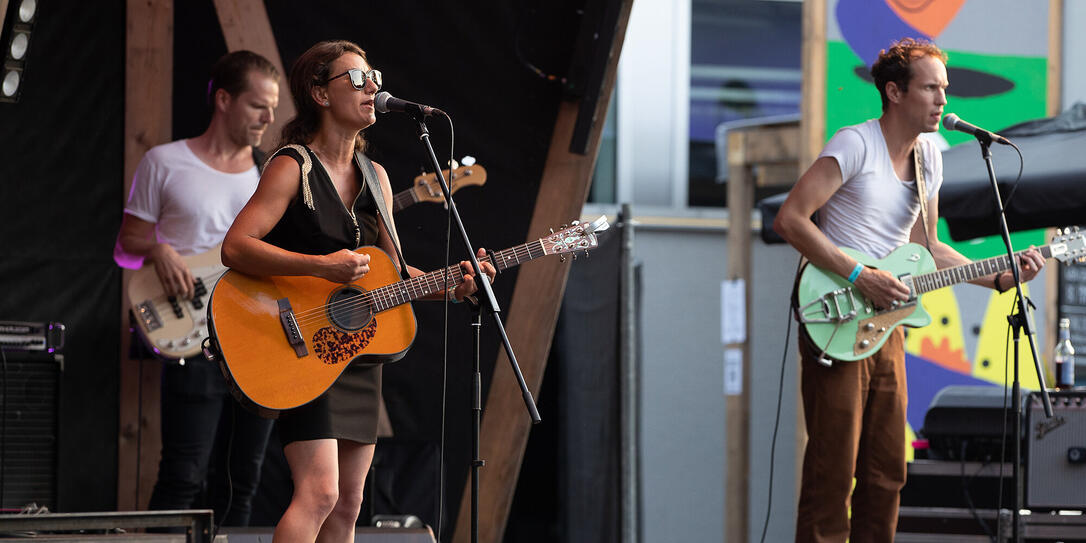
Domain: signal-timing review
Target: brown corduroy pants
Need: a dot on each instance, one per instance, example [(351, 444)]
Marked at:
[(855, 414)]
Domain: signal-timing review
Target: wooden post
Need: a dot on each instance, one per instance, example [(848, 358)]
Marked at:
[(245, 25), (812, 137), (147, 122), (533, 313), (772, 151)]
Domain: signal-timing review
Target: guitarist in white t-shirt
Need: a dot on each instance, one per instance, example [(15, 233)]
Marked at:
[(863, 186), (185, 195)]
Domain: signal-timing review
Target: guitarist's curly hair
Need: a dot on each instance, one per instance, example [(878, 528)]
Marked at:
[(895, 64), (309, 71)]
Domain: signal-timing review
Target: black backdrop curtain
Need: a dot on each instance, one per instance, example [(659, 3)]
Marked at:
[(60, 204)]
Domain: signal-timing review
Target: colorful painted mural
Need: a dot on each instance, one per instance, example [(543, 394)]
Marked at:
[(996, 81)]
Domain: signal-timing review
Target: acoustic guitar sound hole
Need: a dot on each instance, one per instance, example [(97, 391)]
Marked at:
[(347, 309)]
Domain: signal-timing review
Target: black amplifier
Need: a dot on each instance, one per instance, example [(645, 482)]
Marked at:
[(31, 336)]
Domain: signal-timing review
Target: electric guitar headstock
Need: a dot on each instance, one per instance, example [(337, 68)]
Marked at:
[(1069, 245)]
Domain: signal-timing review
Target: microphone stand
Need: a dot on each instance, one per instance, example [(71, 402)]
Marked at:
[(1020, 321), (488, 303)]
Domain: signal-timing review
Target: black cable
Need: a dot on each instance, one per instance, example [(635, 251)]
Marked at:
[(229, 456), (777, 418), (969, 499), (1003, 434), (1014, 185), (445, 340)]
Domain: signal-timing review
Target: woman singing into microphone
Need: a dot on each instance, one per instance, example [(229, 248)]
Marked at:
[(310, 211)]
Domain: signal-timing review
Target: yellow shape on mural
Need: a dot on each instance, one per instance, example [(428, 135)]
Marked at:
[(941, 341), (993, 352)]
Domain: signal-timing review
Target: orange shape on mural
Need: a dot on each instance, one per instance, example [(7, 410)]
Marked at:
[(927, 16), (951, 359)]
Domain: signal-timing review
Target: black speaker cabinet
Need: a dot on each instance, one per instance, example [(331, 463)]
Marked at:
[(1056, 455), (29, 393)]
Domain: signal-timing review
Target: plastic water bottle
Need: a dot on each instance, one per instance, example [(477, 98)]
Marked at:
[(1064, 357)]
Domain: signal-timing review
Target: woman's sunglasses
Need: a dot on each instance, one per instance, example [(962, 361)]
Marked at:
[(358, 78)]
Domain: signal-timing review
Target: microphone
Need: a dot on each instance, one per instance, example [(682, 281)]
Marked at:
[(385, 102), (952, 122)]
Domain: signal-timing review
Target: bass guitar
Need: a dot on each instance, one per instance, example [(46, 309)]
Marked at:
[(281, 341), (845, 325), (171, 327)]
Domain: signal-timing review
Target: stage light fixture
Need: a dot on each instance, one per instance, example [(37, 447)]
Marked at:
[(27, 10), (22, 19), (9, 86)]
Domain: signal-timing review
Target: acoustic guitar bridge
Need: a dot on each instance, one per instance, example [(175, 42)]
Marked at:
[(290, 327)]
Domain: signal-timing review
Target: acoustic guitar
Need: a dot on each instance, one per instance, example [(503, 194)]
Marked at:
[(281, 341)]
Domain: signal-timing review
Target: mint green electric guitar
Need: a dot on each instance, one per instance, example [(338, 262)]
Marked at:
[(846, 326)]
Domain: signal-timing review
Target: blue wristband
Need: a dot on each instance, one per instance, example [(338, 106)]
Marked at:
[(855, 272)]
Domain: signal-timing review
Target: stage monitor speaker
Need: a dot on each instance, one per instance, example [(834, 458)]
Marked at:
[(969, 423), (29, 394), (1056, 457)]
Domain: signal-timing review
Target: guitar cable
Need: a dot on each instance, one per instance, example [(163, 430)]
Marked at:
[(777, 417), (445, 341)]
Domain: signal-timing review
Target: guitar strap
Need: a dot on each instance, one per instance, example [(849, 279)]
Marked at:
[(921, 189), (374, 185)]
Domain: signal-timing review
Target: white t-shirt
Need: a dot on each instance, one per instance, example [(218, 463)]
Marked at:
[(873, 211), (191, 203)]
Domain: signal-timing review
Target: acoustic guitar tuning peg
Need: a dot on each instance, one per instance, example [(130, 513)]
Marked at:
[(1059, 232), (1074, 229), (562, 258), (586, 253), (552, 230)]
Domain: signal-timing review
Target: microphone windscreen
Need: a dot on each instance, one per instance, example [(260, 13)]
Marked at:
[(950, 121), (380, 102)]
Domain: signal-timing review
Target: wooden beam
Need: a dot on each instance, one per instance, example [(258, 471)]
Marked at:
[(245, 25), (750, 149), (812, 137), (3, 15), (533, 313), (737, 406), (1055, 57), (147, 122)]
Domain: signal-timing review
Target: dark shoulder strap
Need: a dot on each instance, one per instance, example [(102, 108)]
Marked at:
[(374, 185), (921, 188), (258, 158)]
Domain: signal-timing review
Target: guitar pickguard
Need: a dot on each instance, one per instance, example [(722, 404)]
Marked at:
[(334, 346), (872, 332)]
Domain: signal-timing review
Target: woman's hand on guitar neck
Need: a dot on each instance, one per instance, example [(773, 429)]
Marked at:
[(881, 287), (468, 286), (343, 266)]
